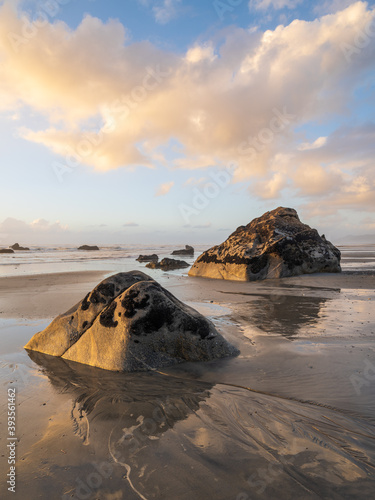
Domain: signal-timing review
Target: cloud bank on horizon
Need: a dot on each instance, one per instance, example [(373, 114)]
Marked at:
[(282, 104)]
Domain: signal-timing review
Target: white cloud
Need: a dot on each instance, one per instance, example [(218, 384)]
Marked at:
[(45, 225), (11, 226), (110, 103), (318, 143), (319, 174), (200, 53), (166, 11), (164, 189), (130, 224), (270, 188), (276, 4), (37, 232), (198, 226), (331, 6)]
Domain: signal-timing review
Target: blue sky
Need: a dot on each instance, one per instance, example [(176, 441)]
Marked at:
[(176, 121)]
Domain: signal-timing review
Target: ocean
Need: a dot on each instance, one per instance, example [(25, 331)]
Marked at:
[(121, 258), (115, 258)]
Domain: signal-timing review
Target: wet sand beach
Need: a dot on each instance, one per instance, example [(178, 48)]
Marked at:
[(44, 295), (291, 417)]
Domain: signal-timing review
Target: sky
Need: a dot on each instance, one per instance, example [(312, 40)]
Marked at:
[(176, 121)]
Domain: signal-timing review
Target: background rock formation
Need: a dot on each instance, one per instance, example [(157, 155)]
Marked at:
[(88, 247), (148, 258), (187, 251), (275, 245), (168, 264), (16, 246)]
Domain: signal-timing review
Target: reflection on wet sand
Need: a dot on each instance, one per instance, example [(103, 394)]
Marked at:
[(123, 398), (278, 314), (165, 437), (283, 308)]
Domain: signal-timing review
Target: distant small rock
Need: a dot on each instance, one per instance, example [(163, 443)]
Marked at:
[(6, 250), (16, 246), (148, 258), (188, 250), (88, 247), (275, 245), (168, 264)]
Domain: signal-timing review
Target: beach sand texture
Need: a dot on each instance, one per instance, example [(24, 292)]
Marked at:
[(291, 417)]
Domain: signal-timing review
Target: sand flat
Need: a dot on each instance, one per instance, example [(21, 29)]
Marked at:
[(44, 295), (291, 417)]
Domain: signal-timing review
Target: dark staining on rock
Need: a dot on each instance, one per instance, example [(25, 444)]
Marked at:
[(85, 303), (197, 327), (203, 330), (106, 317), (74, 336), (228, 259), (337, 253), (143, 303), (160, 314), (257, 264), (154, 320), (128, 303), (84, 324), (131, 303), (102, 293)]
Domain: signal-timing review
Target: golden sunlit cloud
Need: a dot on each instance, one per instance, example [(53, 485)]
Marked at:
[(111, 103), (164, 189)]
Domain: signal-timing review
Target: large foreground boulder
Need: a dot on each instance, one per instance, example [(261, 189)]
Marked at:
[(131, 323), (275, 245), (67, 328)]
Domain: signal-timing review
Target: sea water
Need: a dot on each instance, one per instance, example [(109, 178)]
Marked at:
[(120, 258)]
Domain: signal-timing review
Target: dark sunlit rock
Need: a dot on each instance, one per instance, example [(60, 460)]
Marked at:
[(275, 245)]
